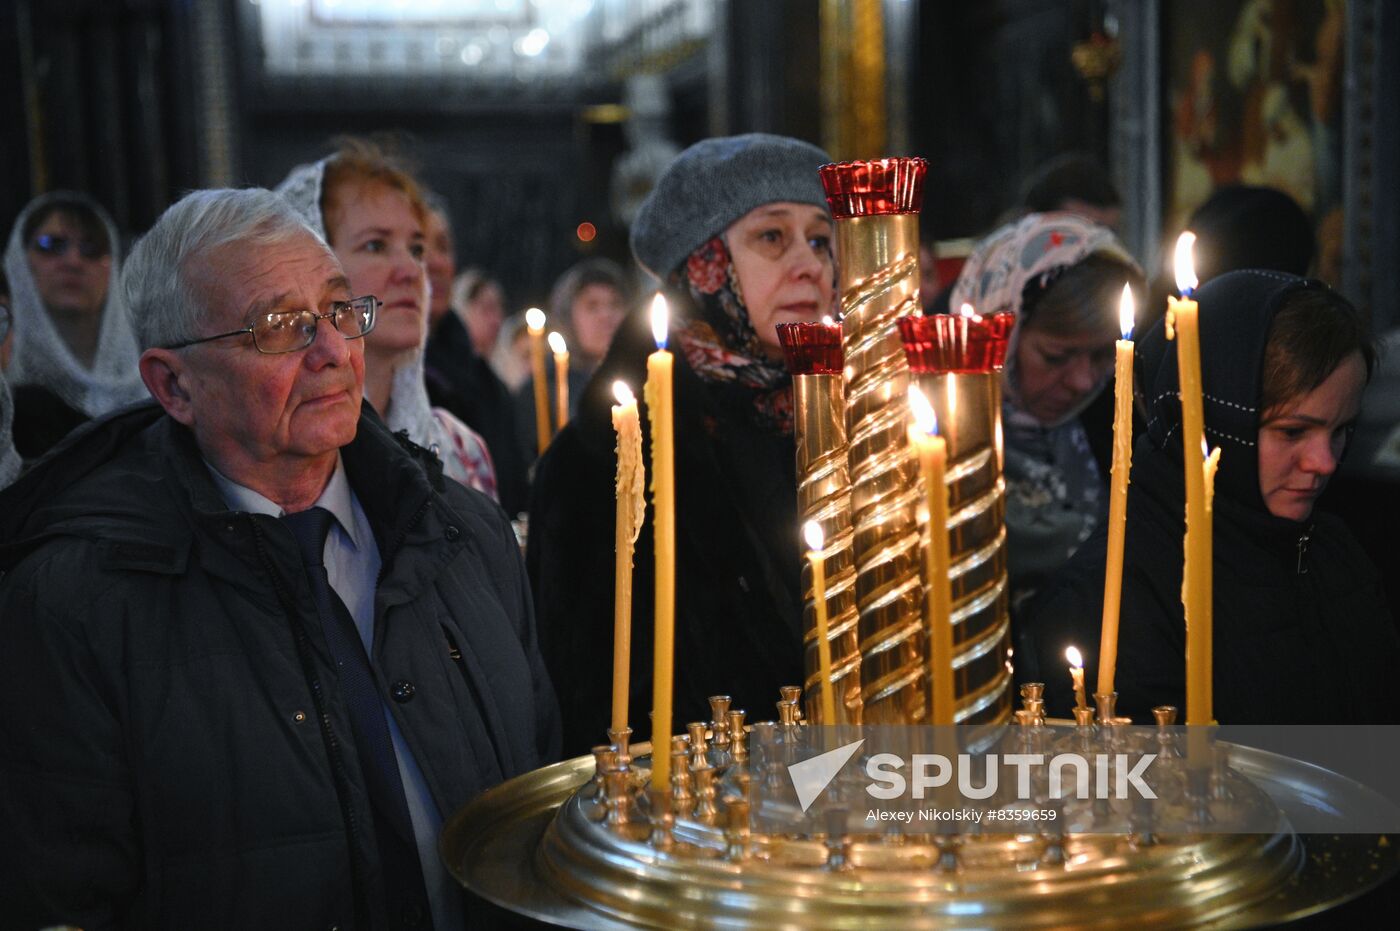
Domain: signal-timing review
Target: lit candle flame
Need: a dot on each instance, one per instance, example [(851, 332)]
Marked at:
[(1126, 311), (812, 533), (924, 416), (1205, 448), (969, 312), (660, 316), (1075, 660), (557, 344), (623, 393), (1186, 280), (827, 321), (534, 319)]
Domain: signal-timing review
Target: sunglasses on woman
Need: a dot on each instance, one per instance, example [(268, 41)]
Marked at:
[(57, 246)]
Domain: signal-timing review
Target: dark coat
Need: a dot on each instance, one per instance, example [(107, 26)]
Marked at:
[(738, 610), (174, 750), (1302, 633), (463, 382)]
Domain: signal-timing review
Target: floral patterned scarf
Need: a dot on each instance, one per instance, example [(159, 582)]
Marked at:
[(719, 341)]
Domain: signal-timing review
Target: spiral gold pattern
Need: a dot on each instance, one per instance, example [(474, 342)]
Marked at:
[(880, 283), (824, 496)]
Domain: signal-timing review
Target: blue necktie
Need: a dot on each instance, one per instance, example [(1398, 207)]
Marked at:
[(405, 894)]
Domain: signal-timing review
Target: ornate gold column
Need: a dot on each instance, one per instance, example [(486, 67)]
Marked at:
[(813, 352), (876, 206), (854, 121), (956, 361)]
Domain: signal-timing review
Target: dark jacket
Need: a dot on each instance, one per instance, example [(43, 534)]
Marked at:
[(738, 602), (462, 382), (174, 750), (41, 420), (1301, 630)]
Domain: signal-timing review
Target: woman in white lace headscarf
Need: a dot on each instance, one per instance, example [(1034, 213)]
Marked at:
[(371, 213), (72, 335)]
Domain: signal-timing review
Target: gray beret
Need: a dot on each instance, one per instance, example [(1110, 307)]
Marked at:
[(715, 182)]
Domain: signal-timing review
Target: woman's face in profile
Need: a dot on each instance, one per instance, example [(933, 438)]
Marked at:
[(783, 261), (1301, 441), (1056, 373)]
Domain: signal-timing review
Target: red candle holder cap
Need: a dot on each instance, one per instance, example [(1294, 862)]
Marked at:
[(812, 348), (877, 187), (956, 343)]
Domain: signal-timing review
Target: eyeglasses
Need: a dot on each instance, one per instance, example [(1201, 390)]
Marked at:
[(292, 330), (57, 246)]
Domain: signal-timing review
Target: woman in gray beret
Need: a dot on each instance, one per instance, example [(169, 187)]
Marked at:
[(738, 236)]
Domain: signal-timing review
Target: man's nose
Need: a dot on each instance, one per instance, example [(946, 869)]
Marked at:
[(330, 347)]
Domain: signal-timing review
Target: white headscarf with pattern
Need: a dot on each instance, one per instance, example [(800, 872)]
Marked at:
[(41, 355)]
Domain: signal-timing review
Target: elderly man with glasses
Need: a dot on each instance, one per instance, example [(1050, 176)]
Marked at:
[(255, 648)]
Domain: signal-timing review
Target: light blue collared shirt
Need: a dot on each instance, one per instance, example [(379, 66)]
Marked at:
[(352, 562)]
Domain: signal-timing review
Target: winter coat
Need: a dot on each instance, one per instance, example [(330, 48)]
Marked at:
[(174, 748), (738, 603), (1302, 634)]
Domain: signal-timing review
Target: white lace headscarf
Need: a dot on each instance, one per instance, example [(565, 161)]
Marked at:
[(41, 355), (408, 396), (9, 458)]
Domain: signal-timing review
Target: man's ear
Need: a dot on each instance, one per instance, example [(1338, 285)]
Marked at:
[(164, 372)]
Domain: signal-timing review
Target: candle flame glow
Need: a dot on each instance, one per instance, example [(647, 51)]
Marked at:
[(1186, 280), (660, 317), (812, 533), (1126, 312), (969, 312), (827, 321), (1075, 660), (1205, 448), (924, 416), (534, 319), (557, 344), (623, 393)]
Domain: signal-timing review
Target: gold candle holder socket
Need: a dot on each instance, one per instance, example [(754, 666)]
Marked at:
[(621, 740), (719, 721), (1164, 715), (698, 747), (787, 713), (663, 821), (738, 741), (1107, 706), (1084, 717), (706, 811)]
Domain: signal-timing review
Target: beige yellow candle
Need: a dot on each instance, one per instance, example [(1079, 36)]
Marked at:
[(1183, 326), (1076, 674), (560, 349), (932, 451), (631, 512), (534, 325), (1118, 494), (660, 365), (816, 543)]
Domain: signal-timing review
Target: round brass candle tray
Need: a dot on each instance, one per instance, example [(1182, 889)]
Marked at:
[(585, 843)]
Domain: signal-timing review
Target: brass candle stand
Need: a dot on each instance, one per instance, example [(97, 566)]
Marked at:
[(813, 352), (587, 844), (875, 205)]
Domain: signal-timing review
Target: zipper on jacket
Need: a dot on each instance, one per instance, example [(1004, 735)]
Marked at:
[(1303, 551), (387, 555)]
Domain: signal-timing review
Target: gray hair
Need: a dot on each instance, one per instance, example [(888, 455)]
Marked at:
[(164, 305)]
